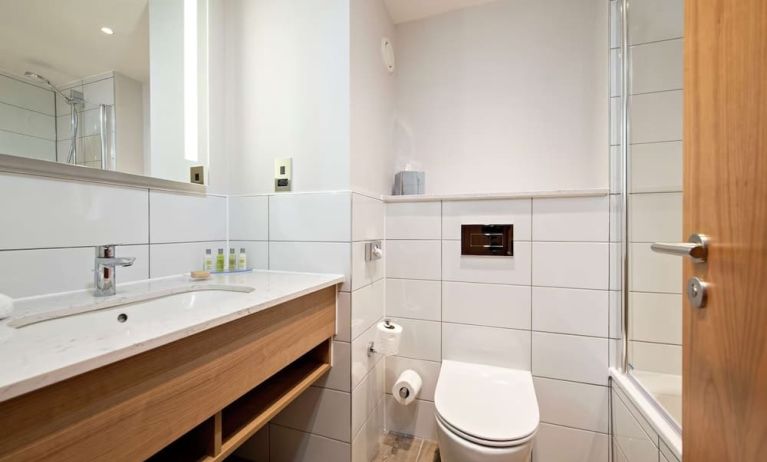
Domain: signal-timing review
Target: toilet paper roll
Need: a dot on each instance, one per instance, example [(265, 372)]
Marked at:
[(407, 387), (388, 336)]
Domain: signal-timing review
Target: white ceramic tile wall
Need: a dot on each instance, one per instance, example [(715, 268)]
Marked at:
[(61, 221), (547, 309)]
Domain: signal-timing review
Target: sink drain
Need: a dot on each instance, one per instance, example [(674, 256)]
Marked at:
[(122, 317)]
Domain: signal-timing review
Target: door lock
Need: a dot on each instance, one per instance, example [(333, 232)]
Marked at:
[(697, 292)]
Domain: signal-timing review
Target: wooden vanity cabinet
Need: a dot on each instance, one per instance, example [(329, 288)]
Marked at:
[(198, 398)]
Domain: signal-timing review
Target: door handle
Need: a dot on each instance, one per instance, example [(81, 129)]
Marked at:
[(696, 248)]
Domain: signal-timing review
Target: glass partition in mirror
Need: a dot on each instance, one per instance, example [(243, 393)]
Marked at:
[(118, 85)]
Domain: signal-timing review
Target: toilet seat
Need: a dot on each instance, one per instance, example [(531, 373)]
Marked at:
[(487, 405)]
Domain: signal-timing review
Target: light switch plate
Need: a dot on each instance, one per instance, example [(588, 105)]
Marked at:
[(283, 174)]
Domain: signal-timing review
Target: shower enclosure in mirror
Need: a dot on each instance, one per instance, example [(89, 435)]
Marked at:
[(647, 93), (105, 84)]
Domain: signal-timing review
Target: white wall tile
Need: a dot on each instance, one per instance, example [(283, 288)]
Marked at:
[(101, 91), (413, 259), (656, 66), (170, 259), (44, 213), (28, 146), (487, 269), (25, 273), (24, 94), (516, 212), (19, 120), (427, 370), (654, 272), (367, 218), (339, 377), (186, 217), (420, 339), (343, 317), (417, 419), (656, 357), (656, 217), (367, 307), (492, 305), (366, 442), (310, 217), (570, 357), (321, 411), (654, 20), (367, 396), (249, 218), (571, 311), (573, 404), (656, 117), (561, 444), (630, 437), (571, 219), (414, 299), (362, 360), (288, 445), (486, 345), (656, 167), (656, 317), (366, 272), (312, 257), (257, 252), (414, 220), (571, 264)]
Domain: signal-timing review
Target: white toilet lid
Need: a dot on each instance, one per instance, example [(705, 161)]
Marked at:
[(489, 403)]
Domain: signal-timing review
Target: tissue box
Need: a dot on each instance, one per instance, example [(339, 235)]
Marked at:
[(409, 182)]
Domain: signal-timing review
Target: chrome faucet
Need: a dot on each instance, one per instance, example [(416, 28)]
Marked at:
[(106, 282)]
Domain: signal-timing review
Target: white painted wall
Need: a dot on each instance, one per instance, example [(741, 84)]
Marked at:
[(286, 80), (506, 96), (372, 99)]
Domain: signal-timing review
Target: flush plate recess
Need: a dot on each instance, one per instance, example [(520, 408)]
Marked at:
[(490, 240)]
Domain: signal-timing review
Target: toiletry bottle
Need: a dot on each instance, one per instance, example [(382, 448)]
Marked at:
[(232, 260), (207, 262), (220, 261), (242, 262)]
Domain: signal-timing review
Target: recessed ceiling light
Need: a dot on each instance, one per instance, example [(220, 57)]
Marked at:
[(107, 30)]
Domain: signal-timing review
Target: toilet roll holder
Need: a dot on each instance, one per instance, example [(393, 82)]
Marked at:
[(372, 345)]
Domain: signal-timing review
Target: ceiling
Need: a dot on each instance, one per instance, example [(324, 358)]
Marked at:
[(410, 10), (62, 40)]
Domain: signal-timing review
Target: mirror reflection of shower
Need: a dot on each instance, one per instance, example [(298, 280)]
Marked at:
[(75, 101)]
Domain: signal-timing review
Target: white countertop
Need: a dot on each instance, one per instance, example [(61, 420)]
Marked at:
[(41, 354)]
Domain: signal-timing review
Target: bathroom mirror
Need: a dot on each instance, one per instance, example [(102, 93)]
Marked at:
[(93, 87)]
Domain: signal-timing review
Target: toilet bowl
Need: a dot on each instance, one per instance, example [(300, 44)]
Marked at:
[(485, 413)]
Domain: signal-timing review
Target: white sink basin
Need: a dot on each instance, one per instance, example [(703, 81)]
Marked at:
[(155, 306)]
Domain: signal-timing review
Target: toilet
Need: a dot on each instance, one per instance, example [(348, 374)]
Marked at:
[(485, 413)]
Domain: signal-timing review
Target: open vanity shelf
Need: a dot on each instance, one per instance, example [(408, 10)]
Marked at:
[(220, 435), (196, 399)]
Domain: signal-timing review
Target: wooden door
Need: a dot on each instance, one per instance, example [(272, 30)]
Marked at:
[(725, 197)]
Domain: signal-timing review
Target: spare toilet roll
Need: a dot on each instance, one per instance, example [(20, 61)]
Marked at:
[(407, 386), (388, 336)]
